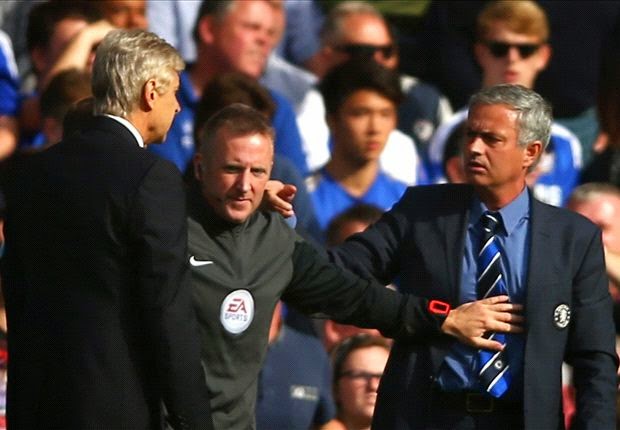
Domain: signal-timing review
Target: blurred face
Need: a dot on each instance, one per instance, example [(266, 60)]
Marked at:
[(245, 37), (362, 125), (493, 160), (127, 14), (366, 36), (604, 211), (64, 31), (507, 57), (165, 108), (356, 390), (234, 174)]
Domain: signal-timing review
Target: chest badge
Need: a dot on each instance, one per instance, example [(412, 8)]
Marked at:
[(561, 316), (237, 311)]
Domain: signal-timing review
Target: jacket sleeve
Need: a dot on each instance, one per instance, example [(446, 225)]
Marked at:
[(375, 253), (159, 229), (322, 289), (591, 342)]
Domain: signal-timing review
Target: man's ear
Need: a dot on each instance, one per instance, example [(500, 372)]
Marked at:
[(532, 153), (149, 94), (206, 29), (198, 169), (544, 56), (454, 170)]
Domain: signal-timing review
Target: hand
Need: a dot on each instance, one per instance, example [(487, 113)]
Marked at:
[(278, 197), (470, 321)]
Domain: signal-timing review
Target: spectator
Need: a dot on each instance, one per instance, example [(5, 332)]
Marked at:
[(64, 90), (512, 48), (294, 385), (600, 203), (361, 101), (581, 33), (231, 35), (353, 220), (358, 367), (357, 29), (51, 27), (127, 14)]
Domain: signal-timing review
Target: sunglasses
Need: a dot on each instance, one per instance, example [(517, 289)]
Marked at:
[(500, 49), (364, 50)]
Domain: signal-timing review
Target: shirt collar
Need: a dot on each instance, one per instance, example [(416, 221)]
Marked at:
[(512, 213), (132, 129)]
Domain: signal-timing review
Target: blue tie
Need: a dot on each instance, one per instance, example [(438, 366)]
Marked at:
[(494, 371)]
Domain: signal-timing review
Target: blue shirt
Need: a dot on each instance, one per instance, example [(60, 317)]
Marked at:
[(330, 198), (179, 144), (460, 367), (294, 386)]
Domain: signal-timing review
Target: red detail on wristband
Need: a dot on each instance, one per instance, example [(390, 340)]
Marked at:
[(438, 307)]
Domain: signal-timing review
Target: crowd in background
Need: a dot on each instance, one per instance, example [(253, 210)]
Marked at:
[(362, 108)]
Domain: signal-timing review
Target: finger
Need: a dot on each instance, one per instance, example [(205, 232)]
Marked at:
[(495, 299), (507, 317), (505, 327), (287, 192), (506, 307), (482, 343)]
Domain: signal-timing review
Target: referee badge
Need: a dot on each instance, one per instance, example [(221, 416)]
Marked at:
[(561, 316), (237, 311)]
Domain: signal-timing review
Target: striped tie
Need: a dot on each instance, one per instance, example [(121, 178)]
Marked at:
[(494, 373)]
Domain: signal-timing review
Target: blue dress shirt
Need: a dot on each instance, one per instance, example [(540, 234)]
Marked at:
[(460, 367)]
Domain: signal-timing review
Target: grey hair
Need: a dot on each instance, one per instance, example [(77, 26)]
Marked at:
[(331, 32), (591, 190), (534, 116), (124, 62)]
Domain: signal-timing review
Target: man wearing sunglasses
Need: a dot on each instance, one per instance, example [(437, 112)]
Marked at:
[(355, 29), (512, 48)]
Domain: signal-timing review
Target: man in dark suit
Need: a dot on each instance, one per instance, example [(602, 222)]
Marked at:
[(547, 259), (102, 331)]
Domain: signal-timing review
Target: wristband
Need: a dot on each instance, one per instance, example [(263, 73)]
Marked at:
[(438, 307)]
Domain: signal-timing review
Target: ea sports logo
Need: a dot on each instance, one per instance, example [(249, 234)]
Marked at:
[(237, 311)]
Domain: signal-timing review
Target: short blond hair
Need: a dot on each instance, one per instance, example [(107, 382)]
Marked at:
[(523, 17), (124, 62)]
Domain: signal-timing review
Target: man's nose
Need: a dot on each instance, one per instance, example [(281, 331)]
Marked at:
[(243, 181)]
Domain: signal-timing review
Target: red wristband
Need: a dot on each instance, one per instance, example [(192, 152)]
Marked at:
[(438, 307)]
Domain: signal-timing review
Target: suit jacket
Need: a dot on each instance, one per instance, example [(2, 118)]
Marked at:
[(422, 241), (101, 326)]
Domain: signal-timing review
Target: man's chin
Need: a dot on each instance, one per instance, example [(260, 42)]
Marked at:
[(236, 217)]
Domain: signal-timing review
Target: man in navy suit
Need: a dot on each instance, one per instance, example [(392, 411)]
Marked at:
[(102, 331), (551, 262)]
